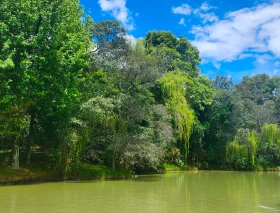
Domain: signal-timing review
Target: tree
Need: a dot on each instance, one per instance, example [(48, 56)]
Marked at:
[(222, 82), (256, 88), (128, 74), (277, 109), (175, 53), (45, 47), (110, 45), (199, 93), (173, 86), (108, 34), (220, 127), (269, 146)]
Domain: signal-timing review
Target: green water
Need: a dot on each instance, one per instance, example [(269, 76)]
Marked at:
[(199, 192)]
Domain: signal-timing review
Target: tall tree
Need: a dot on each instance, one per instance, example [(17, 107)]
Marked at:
[(174, 93), (175, 53), (45, 47)]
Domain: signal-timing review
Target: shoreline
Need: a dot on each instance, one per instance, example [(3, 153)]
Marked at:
[(95, 173), (33, 175)]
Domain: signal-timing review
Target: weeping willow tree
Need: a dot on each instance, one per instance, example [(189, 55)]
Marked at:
[(69, 150), (173, 86), (236, 153), (241, 152), (269, 147), (270, 134), (252, 146)]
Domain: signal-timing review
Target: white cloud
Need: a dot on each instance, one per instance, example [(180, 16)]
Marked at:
[(262, 59), (202, 13), (131, 39), (184, 9), (276, 71), (119, 10), (205, 7), (182, 22), (216, 65), (245, 55), (208, 17), (242, 33)]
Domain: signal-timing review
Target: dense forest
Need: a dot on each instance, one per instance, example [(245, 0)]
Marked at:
[(78, 91)]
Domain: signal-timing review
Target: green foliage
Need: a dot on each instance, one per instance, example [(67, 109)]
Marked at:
[(173, 86), (108, 34), (197, 154), (100, 112), (222, 82), (173, 53), (175, 168), (42, 170), (80, 91), (248, 150), (269, 145), (200, 93), (241, 153), (237, 155), (140, 155), (219, 127), (45, 49), (258, 88), (252, 146), (69, 151), (270, 134), (92, 172)]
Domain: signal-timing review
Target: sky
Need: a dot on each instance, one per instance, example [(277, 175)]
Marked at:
[(235, 38)]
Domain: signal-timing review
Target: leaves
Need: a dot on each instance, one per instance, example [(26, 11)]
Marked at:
[(173, 88)]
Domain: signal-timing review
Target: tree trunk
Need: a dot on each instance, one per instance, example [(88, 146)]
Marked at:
[(185, 153), (30, 135), (114, 155), (114, 162), (15, 162)]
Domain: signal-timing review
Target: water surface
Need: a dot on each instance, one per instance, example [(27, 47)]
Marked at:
[(194, 192)]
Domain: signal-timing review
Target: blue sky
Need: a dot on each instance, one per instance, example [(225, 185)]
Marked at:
[(235, 38)]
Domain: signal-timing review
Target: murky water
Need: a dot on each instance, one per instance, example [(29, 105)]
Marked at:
[(194, 192)]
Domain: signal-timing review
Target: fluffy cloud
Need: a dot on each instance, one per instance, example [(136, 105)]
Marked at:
[(208, 17), (131, 39), (182, 22), (205, 7), (119, 10), (217, 65), (276, 71), (240, 34), (201, 12), (184, 9)]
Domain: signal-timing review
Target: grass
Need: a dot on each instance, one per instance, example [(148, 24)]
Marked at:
[(174, 168), (41, 170), (88, 171), (38, 171), (271, 168)]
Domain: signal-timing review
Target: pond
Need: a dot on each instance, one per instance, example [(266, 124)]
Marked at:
[(194, 192)]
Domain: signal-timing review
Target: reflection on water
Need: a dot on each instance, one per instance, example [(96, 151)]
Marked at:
[(198, 191), (269, 208)]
